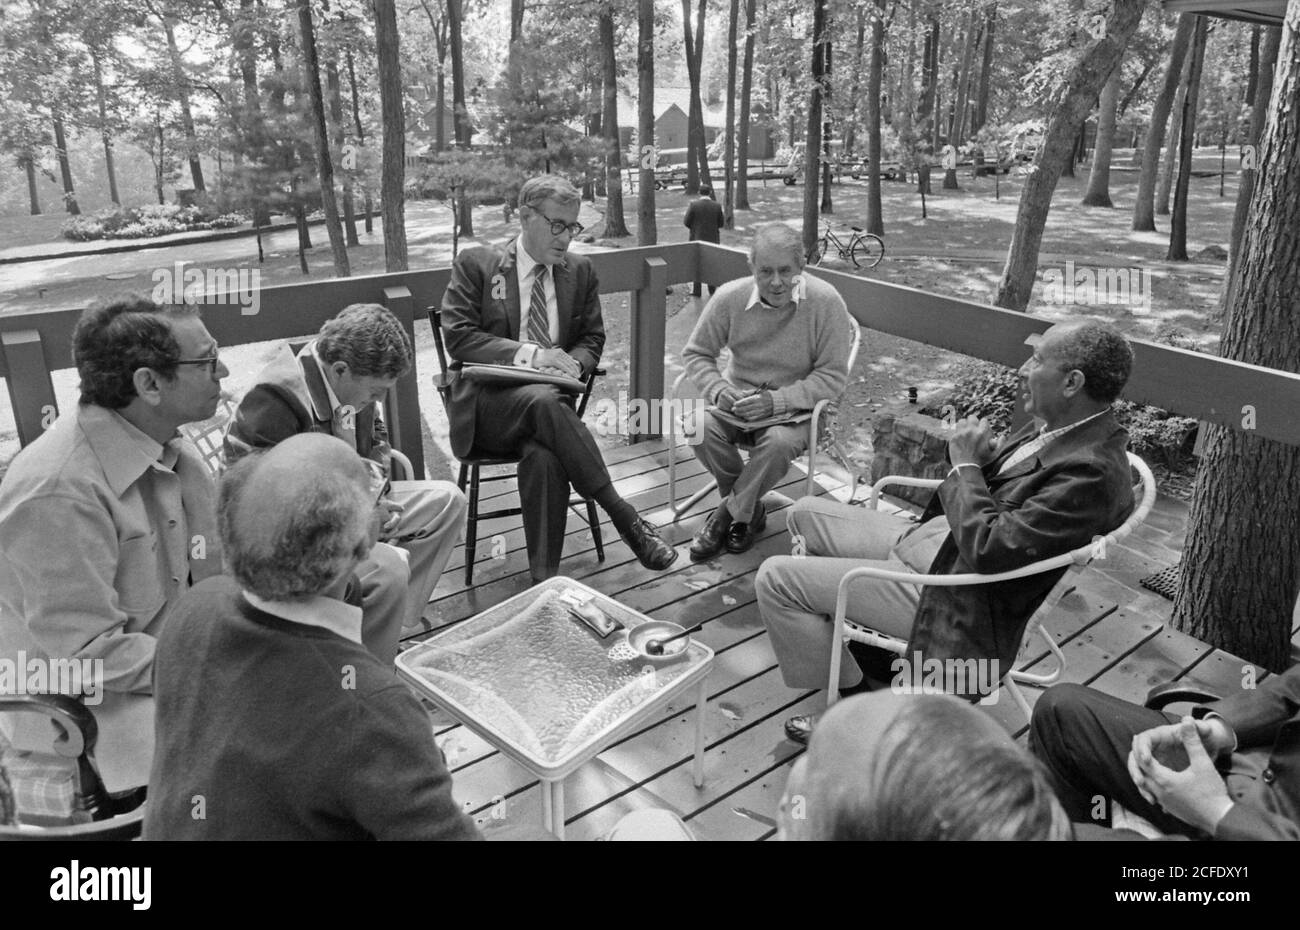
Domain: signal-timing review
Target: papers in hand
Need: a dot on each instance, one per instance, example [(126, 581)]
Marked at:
[(799, 416), (521, 375)]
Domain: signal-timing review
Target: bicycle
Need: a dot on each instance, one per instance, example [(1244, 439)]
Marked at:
[(864, 249)]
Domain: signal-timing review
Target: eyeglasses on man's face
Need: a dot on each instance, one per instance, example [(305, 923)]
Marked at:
[(212, 361), (559, 226)]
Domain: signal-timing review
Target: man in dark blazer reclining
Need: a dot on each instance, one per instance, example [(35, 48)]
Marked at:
[(1049, 488), (556, 329)]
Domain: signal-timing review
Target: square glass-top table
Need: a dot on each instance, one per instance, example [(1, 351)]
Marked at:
[(539, 685)]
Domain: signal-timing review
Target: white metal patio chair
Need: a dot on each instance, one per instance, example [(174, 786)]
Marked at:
[(819, 412), (1075, 561)]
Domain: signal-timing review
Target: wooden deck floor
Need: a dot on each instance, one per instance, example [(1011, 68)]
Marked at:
[(1110, 629)]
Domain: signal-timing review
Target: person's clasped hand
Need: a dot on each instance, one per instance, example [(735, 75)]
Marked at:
[(555, 361), (972, 442), (1173, 768), (756, 406), (389, 515)]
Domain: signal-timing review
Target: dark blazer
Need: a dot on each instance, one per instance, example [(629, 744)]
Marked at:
[(1076, 488), (290, 397), (480, 322), (1266, 718), (703, 218)]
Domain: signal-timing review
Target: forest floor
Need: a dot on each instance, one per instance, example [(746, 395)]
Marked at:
[(959, 249)]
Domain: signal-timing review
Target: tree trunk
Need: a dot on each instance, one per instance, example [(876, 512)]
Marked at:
[(961, 92), (729, 140), (65, 167), (813, 143), (1169, 166), (1263, 85), (615, 224), (647, 232), (514, 64), (1238, 588), (460, 115), (746, 91), (1253, 75), (361, 131), (982, 94), (1144, 206), (394, 123), (851, 121), (28, 164), (1147, 68), (103, 127), (926, 110), (324, 159), (1098, 193), (693, 108), (1178, 225), (875, 217), (906, 125), (183, 95), (825, 83), (334, 86), (1082, 84), (158, 165)]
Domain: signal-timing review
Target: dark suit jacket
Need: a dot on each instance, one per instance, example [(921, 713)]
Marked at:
[(290, 398), (1078, 487), (1266, 719), (704, 218), (480, 322)]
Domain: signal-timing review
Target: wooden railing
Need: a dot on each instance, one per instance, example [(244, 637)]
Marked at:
[(1232, 394)]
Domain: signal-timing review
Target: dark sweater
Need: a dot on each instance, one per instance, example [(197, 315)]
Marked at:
[(268, 729)]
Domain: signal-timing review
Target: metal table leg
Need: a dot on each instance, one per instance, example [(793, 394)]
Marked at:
[(701, 698), (557, 808)]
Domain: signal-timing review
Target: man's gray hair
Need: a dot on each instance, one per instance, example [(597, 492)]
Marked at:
[(781, 236), (299, 549), (548, 187), (1104, 356)]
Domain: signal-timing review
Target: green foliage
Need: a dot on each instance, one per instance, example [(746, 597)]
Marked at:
[(145, 222), (981, 389)]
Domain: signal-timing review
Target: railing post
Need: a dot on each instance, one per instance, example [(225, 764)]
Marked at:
[(31, 392), (403, 401), (649, 316)]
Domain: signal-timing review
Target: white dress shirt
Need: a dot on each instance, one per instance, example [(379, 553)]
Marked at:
[(525, 266)]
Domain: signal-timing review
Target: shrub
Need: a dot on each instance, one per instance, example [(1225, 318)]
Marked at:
[(146, 222), (985, 389)]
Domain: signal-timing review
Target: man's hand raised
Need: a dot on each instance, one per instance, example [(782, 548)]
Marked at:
[(557, 362), (972, 442)]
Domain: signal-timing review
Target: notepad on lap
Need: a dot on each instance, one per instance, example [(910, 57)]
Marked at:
[(521, 375)]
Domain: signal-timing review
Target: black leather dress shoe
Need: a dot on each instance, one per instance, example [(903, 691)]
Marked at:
[(741, 536), (650, 550), (712, 537)]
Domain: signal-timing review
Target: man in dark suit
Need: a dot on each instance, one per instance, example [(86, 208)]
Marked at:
[(1230, 771), (558, 329), (704, 219), (1049, 488), (335, 384)]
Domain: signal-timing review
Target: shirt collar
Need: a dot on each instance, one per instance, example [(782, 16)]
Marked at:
[(324, 613), (124, 451), (796, 294), (1047, 436), (330, 397)]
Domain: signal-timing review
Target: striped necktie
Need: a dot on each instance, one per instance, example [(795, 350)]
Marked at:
[(539, 323)]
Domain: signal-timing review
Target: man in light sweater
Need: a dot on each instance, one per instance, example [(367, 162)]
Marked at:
[(789, 337)]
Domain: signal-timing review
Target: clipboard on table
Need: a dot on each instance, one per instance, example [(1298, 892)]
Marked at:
[(788, 419), (519, 374)]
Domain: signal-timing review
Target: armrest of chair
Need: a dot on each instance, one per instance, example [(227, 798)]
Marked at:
[(77, 723), (400, 468), (899, 481), (1173, 692)]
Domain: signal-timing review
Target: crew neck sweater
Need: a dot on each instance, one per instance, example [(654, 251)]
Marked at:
[(270, 729), (800, 352)]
